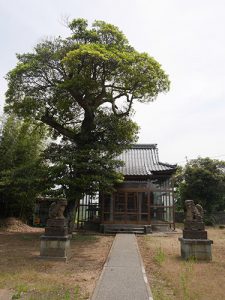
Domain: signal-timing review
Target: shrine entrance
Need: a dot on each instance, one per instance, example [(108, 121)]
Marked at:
[(127, 207)]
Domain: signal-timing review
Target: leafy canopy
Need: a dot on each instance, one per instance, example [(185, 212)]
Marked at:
[(203, 180), (84, 87), (66, 82)]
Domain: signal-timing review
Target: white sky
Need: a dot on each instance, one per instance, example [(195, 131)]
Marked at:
[(186, 36)]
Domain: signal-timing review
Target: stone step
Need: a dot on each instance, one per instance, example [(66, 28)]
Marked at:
[(124, 225), (123, 231), (125, 228), (127, 232)]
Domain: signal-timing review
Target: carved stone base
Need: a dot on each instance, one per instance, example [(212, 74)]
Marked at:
[(56, 248), (56, 227), (194, 225), (195, 234), (199, 249)]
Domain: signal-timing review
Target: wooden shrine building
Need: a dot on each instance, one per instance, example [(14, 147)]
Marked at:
[(145, 200)]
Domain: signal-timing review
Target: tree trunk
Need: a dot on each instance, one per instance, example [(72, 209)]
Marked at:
[(87, 126), (70, 213), (84, 140)]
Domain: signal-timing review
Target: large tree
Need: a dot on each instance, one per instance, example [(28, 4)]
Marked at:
[(84, 87), (203, 180), (22, 169)]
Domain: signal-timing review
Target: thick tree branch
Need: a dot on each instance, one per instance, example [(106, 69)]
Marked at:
[(49, 120), (122, 114)]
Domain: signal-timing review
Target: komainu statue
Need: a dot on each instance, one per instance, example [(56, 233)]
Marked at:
[(195, 242), (193, 212), (194, 226), (57, 208)]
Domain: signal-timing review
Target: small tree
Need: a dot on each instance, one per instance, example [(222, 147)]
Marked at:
[(84, 88), (202, 180), (22, 172)]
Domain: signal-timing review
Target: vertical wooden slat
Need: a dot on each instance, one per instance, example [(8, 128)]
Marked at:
[(78, 215), (149, 209), (102, 208), (114, 195), (139, 199), (111, 217), (125, 207)]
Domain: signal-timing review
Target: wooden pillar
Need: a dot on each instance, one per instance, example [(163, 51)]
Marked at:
[(139, 199), (78, 215), (101, 203), (149, 209), (125, 210), (111, 216)]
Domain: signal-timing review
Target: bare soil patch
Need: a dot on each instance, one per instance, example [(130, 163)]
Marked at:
[(172, 278), (27, 277), (16, 225)]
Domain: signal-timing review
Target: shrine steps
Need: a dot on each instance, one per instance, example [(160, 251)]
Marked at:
[(125, 228)]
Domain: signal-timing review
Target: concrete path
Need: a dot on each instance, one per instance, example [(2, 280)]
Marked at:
[(123, 276), (6, 294)]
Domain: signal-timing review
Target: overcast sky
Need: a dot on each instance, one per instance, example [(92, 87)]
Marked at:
[(187, 37)]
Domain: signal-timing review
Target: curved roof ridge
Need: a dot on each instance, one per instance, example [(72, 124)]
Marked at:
[(143, 160), (144, 146), (167, 164)]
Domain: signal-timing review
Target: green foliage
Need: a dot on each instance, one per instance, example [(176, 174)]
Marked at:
[(84, 88), (85, 238), (185, 278), (202, 180), (89, 68), (90, 168), (20, 289), (159, 256), (72, 296), (21, 166)]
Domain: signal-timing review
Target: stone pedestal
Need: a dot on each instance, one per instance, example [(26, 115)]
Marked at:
[(194, 230), (147, 229), (56, 227), (195, 234), (194, 243), (55, 243), (199, 249), (57, 248)]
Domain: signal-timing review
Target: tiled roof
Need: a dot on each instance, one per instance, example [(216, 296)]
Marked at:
[(142, 160)]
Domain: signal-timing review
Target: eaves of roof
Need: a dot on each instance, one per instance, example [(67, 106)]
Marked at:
[(143, 160)]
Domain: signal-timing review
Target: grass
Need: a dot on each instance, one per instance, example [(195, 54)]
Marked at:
[(20, 289), (32, 278), (74, 296), (185, 278), (159, 256), (85, 238), (171, 278)]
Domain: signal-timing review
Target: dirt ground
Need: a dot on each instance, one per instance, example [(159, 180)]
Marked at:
[(171, 278), (25, 276)]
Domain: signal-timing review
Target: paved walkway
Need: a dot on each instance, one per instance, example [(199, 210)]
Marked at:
[(123, 276)]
